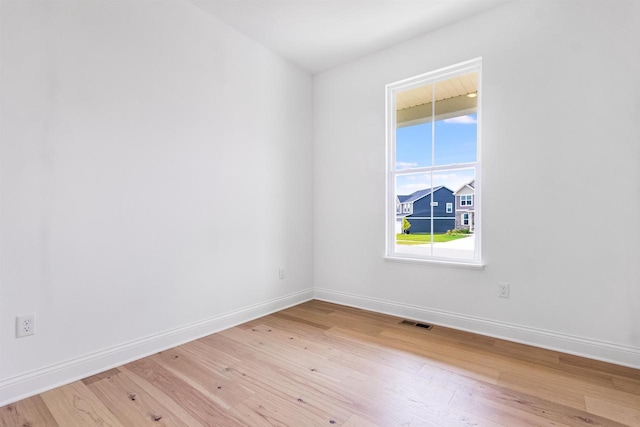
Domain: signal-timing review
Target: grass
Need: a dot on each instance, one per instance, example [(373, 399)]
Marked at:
[(419, 239)]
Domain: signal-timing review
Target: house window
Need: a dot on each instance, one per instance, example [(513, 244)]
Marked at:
[(433, 154), (465, 219)]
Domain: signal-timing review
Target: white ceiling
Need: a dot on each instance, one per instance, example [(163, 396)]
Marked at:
[(321, 34)]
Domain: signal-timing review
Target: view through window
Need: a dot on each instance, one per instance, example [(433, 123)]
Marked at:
[(433, 181)]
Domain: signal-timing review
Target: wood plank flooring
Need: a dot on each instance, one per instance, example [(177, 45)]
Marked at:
[(321, 364)]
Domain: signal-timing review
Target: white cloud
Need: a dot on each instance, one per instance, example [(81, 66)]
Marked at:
[(462, 120)]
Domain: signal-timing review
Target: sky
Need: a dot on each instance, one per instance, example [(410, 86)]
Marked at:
[(455, 142)]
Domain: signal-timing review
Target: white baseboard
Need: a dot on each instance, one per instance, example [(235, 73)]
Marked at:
[(31, 383), (579, 346)]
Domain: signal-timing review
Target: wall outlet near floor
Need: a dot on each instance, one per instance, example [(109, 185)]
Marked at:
[(25, 325), (503, 289), (281, 273)]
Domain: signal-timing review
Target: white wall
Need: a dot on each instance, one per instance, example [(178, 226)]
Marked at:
[(561, 195), (155, 173)]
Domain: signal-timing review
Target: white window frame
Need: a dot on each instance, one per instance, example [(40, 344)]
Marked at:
[(449, 208), (465, 218), (392, 89), (470, 196)]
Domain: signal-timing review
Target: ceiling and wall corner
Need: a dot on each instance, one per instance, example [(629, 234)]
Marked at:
[(320, 35)]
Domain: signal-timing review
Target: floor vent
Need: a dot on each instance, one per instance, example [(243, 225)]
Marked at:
[(424, 325), (417, 324)]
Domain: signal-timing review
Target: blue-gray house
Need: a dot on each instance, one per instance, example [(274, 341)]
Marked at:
[(417, 208)]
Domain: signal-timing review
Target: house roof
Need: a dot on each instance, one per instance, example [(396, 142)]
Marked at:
[(471, 185), (418, 195)]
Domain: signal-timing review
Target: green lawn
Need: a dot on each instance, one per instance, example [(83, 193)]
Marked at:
[(417, 239)]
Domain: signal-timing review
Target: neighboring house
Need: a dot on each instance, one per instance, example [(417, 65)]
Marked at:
[(416, 208), (465, 206)]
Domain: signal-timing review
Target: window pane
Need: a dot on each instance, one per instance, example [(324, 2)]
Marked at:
[(412, 230), (414, 128), (411, 186), (413, 146), (458, 238), (456, 140), (456, 126)]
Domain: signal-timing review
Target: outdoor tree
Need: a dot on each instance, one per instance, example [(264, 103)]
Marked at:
[(406, 225)]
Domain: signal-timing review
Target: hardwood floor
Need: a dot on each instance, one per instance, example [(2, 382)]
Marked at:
[(321, 364)]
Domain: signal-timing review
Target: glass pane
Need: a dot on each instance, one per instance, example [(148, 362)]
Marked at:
[(453, 236), (413, 146), (456, 128), (413, 214), (414, 127)]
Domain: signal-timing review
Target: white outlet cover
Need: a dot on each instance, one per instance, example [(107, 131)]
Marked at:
[(25, 325), (503, 289)]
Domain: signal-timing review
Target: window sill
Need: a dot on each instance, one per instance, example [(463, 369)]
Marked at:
[(471, 265)]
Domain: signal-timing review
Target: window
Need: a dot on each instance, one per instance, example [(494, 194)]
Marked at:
[(433, 156)]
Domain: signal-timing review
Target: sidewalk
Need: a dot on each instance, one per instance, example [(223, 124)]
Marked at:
[(459, 248)]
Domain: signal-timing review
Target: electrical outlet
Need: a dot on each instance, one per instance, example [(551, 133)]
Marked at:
[(503, 289), (25, 325), (281, 273)]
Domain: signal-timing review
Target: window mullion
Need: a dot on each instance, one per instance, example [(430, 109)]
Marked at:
[(433, 154), (425, 169)]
